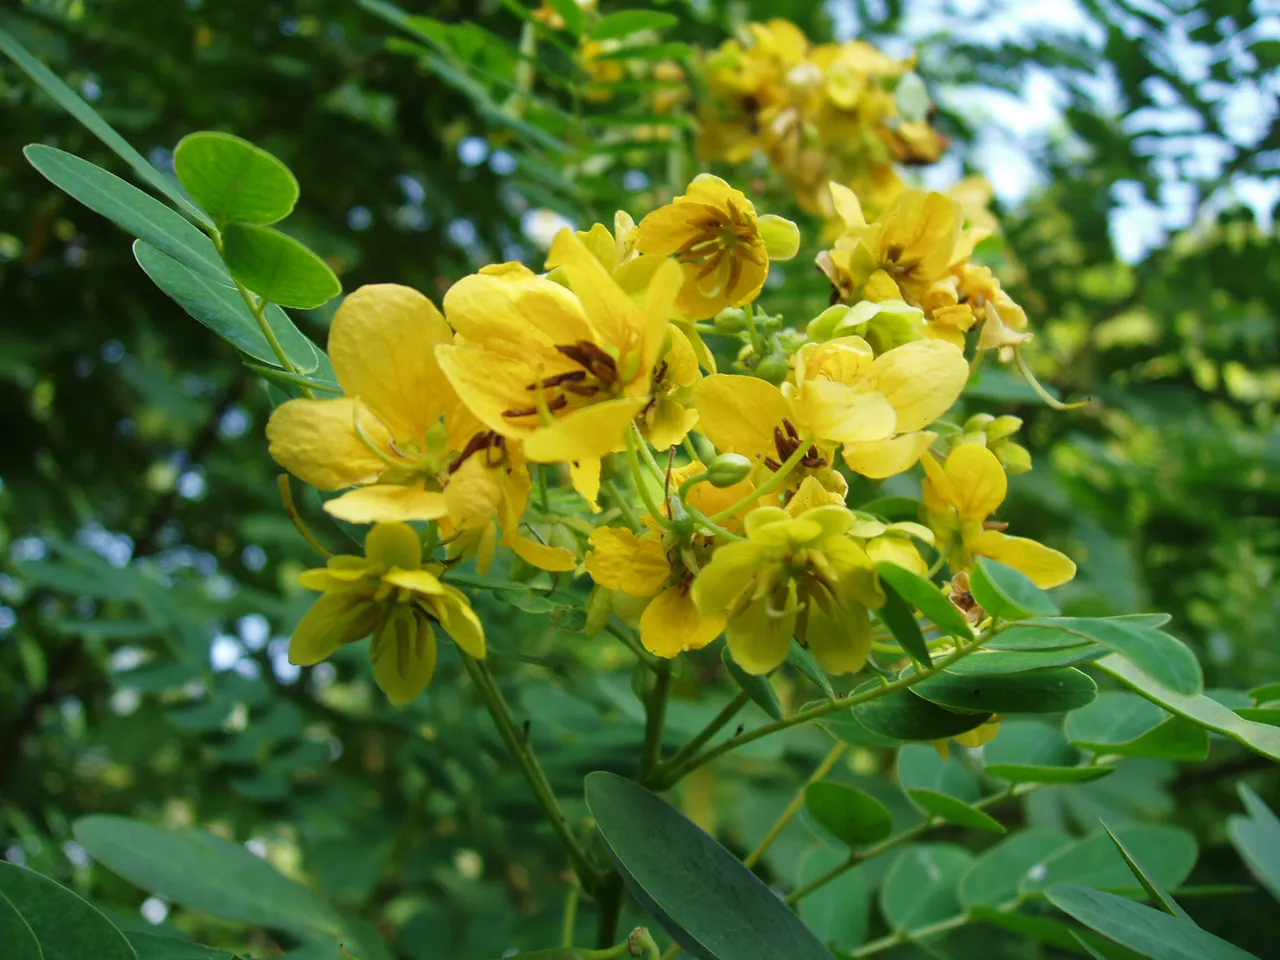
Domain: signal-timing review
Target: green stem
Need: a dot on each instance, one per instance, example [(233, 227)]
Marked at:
[(609, 903), (792, 808), (674, 772), (520, 750), (659, 774), (634, 646), (570, 920), (909, 936), (637, 478), (655, 720), (622, 503), (711, 525), (770, 485)]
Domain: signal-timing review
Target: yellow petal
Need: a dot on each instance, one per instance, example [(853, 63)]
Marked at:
[(584, 474), (758, 640), (672, 625), (621, 561), (921, 379), (667, 229), (590, 431), (418, 581), (839, 636), (781, 237), (738, 414), (837, 413), (897, 550), (978, 479), (667, 423), (509, 311), (386, 501), (316, 441), (846, 205), (390, 545), (382, 344), (334, 619), (607, 306), (542, 556), (1045, 566), (473, 492), (878, 459), (979, 736), (659, 307), (454, 612), (812, 494), (404, 656), (730, 572)]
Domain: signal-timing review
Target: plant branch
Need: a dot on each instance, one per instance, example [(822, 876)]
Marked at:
[(792, 808), (655, 709), (659, 774)]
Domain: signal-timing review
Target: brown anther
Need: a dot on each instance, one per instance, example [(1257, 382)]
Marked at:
[(995, 525), (569, 376), (485, 440), (582, 389), (555, 403), (592, 358), (894, 252), (813, 459), (772, 464), (790, 427)]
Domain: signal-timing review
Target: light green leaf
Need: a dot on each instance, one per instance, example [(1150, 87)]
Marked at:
[(276, 266), (1117, 716), (927, 598), (233, 179), (689, 883), (1149, 883), (205, 873), (128, 208), (850, 815), (758, 688), (922, 768), (673, 50), (66, 927), (626, 22), (898, 617), (221, 308), (904, 716), (1200, 709), (1165, 658), (994, 877), (1167, 852), (67, 98), (19, 939), (1044, 691), (1138, 927), (575, 20), (955, 811), (1266, 693), (921, 886), (1038, 773), (1257, 839), (1007, 593)]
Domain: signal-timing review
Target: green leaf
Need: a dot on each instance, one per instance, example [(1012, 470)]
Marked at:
[(1116, 716), (922, 768), (1044, 691), (921, 886), (276, 266), (1204, 711), (1037, 773), (759, 689), (1265, 693), (1041, 929), (689, 883), (994, 877), (67, 98), (844, 725), (839, 912), (66, 927), (955, 811), (893, 508), (1149, 883), (1008, 593), (904, 716), (1024, 661), (221, 308), (575, 19), (655, 51), (19, 940), (928, 599), (1167, 852), (1030, 741), (128, 208), (233, 179), (1257, 839), (626, 22), (205, 873), (804, 661), (898, 617), (153, 947), (1165, 658), (1140, 928), (850, 815)]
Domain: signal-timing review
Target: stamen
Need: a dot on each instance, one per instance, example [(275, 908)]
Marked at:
[(559, 402)]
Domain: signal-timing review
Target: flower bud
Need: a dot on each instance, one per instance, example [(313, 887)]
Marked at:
[(823, 326), (731, 320), (599, 609), (978, 423), (1014, 457), (1005, 426), (728, 469), (781, 237), (773, 368)]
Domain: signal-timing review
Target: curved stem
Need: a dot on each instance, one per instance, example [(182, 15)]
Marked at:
[(773, 483), (792, 808), (637, 478), (655, 722), (711, 525), (659, 774), (291, 508), (622, 503)]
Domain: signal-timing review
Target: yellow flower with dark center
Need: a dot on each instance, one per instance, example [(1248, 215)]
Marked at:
[(794, 576), (724, 247), (391, 594), (961, 495)]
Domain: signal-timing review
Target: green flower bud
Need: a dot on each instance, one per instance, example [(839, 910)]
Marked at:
[(731, 320), (823, 327), (781, 237), (1014, 456), (773, 368), (599, 609), (1005, 426), (978, 423), (728, 469)]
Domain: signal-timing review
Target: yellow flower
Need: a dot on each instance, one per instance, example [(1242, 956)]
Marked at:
[(564, 370), (391, 594), (639, 567), (724, 247), (386, 436), (798, 576), (961, 495)]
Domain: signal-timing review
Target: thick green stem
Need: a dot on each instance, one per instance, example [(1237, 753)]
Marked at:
[(609, 903), (655, 720), (520, 750), (659, 775)]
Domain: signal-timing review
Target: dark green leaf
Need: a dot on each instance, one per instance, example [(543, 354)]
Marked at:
[(850, 815), (1030, 741), (277, 267), (955, 811), (1041, 929), (844, 725), (898, 617), (1266, 693), (1037, 773), (1160, 656), (994, 877), (1140, 928), (928, 599), (655, 51), (923, 768), (1024, 661), (839, 912), (153, 947), (1116, 716), (920, 887), (233, 179), (690, 883), (804, 661), (66, 927), (626, 22), (128, 208), (904, 716), (1044, 691), (1257, 839), (758, 688), (1008, 593), (1168, 853), (1149, 883), (19, 940), (221, 308)]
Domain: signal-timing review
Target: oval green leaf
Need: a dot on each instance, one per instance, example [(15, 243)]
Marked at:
[(233, 179), (1030, 741), (221, 308), (129, 208), (897, 615), (1149, 883), (955, 811), (205, 873), (1116, 716), (993, 879), (66, 926), (1168, 854), (277, 267), (1008, 593), (690, 883), (922, 768), (1024, 661), (1044, 691), (926, 598), (626, 22), (1037, 773), (19, 940), (904, 716), (844, 725), (1138, 927), (838, 912), (1257, 839), (1164, 658), (850, 815), (758, 688), (921, 886)]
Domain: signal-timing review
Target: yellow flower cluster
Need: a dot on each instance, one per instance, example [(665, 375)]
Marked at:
[(843, 112), (595, 371)]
